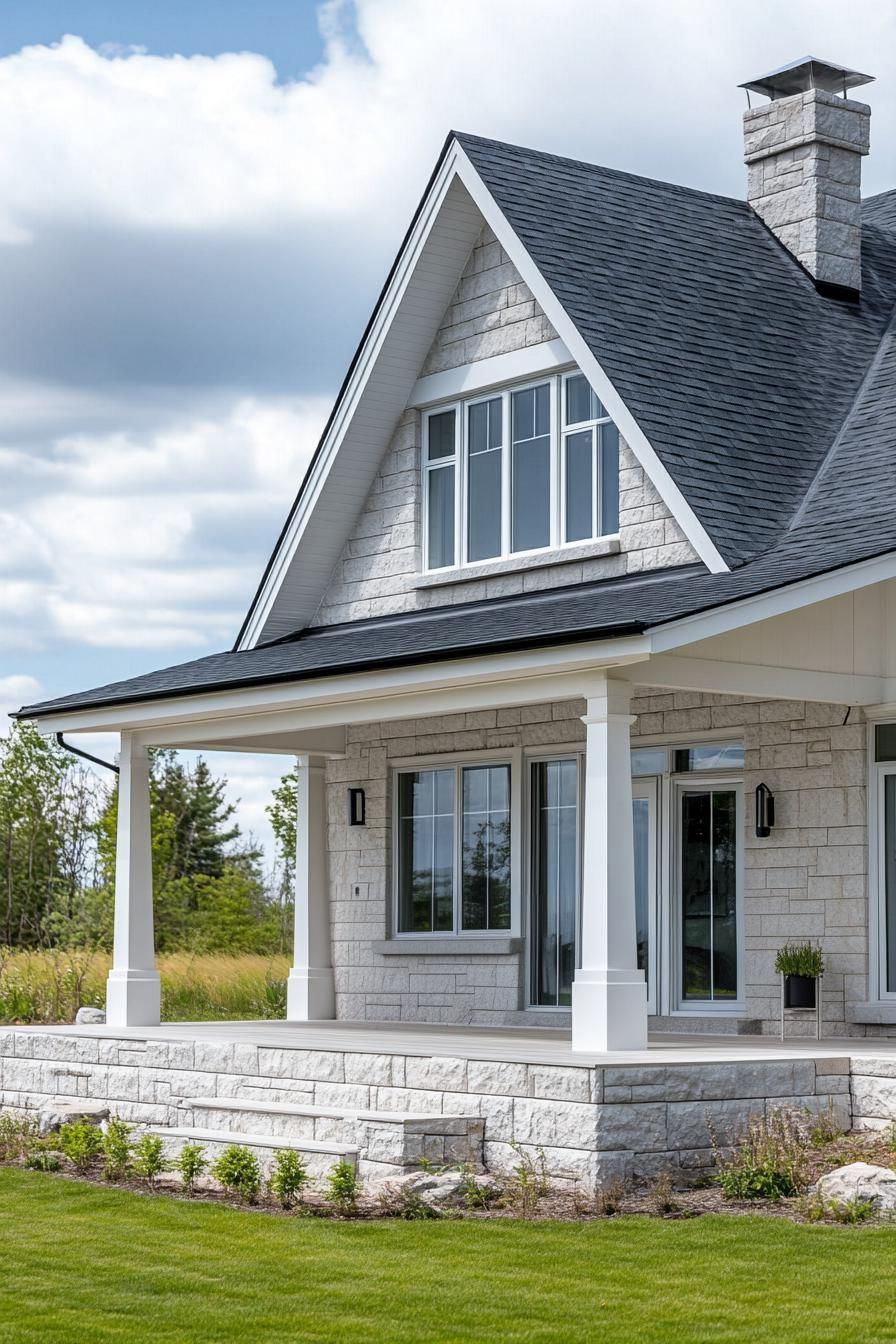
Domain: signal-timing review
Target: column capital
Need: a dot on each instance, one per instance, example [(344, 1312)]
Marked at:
[(606, 697)]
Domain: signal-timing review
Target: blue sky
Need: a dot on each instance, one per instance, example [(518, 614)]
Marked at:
[(198, 203)]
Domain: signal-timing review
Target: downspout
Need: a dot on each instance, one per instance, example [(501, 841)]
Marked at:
[(77, 751)]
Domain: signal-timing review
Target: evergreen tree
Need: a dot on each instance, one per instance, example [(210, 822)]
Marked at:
[(283, 812)]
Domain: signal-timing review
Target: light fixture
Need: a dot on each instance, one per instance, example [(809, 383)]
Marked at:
[(765, 810), (357, 807)]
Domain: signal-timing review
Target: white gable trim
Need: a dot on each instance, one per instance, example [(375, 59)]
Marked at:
[(583, 356), (497, 369)]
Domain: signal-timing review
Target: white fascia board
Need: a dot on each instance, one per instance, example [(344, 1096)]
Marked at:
[(484, 373), (348, 403), (584, 357), (365, 696), (748, 610)]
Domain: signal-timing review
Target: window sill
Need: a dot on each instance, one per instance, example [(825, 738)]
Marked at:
[(878, 1012), (447, 947), (513, 564)]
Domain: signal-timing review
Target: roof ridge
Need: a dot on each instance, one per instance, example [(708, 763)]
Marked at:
[(462, 136), (867, 377)]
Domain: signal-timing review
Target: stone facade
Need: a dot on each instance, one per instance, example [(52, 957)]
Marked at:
[(804, 159), (805, 881), (593, 1124), (378, 573)]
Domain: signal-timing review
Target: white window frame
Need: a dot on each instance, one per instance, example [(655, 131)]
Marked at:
[(457, 761), (877, 870), (559, 430), (573, 751)]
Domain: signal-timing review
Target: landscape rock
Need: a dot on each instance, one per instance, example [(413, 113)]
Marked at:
[(90, 1017), (859, 1180), (58, 1113)]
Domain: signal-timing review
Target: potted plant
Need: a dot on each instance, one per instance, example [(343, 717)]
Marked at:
[(801, 964)]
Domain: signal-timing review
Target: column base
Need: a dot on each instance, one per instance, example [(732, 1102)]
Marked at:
[(310, 994), (133, 999), (609, 1012)]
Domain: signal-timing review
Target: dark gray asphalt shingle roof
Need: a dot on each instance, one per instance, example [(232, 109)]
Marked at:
[(737, 369), (772, 406)]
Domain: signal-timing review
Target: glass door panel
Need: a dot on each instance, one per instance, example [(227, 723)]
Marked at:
[(645, 812), (708, 849), (554, 879)]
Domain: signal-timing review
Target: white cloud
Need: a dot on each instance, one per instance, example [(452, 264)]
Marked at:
[(16, 691)]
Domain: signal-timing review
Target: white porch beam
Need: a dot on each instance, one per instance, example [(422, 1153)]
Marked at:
[(609, 993), (782, 683), (310, 990), (133, 990)]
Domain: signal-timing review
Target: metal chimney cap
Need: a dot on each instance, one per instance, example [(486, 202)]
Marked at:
[(807, 73)]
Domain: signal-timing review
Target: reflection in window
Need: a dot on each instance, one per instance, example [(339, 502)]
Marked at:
[(485, 869), (709, 894), (554, 879)]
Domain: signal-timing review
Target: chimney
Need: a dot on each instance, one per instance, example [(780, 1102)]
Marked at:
[(803, 150)]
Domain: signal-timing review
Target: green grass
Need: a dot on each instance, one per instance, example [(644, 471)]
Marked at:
[(79, 1262)]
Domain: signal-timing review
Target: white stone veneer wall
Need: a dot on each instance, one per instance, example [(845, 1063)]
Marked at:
[(807, 880), (492, 312)]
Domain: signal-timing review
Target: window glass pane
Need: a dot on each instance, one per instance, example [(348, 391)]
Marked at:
[(426, 851), (579, 484), (641, 826), (486, 848), (441, 435), (484, 480), (582, 403), (890, 881), (554, 879), (696, 895), (531, 469), (724, 756), (609, 478), (885, 742), (649, 761), (440, 517), (724, 895)]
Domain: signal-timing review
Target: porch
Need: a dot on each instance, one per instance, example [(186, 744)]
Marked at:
[(384, 1096)]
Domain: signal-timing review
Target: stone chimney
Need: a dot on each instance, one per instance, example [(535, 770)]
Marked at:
[(803, 150)]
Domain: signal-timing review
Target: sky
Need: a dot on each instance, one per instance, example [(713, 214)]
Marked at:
[(198, 205)]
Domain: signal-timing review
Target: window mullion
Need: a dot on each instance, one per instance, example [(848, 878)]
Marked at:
[(556, 535)]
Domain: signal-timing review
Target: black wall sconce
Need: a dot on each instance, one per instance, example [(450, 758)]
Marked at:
[(765, 810), (357, 807)]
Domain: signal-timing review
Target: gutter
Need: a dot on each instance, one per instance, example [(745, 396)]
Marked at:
[(86, 755)]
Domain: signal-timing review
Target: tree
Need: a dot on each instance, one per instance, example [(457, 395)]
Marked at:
[(283, 813)]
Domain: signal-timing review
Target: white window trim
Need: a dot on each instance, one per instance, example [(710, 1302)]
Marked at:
[(456, 762), (559, 429)]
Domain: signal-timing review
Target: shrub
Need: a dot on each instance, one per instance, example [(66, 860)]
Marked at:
[(800, 959), (474, 1194), (343, 1187), (527, 1183), (149, 1158), (116, 1145), (662, 1194), (609, 1197), (191, 1164), (770, 1162), (403, 1201), (852, 1210), (17, 1137), (43, 1160), (238, 1171), (81, 1143), (289, 1177)]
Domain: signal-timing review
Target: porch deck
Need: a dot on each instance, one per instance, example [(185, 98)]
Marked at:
[(517, 1045)]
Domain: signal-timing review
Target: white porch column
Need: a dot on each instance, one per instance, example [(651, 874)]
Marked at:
[(609, 993), (133, 991), (310, 991)]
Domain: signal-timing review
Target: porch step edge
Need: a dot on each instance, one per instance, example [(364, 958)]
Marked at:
[(686, 1025), (230, 1136), (323, 1112)]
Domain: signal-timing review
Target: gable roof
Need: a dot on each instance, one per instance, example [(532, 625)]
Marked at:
[(739, 371)]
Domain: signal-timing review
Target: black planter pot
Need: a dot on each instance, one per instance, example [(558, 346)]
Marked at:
[(799, 991)]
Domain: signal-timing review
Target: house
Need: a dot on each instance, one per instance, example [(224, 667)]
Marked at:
[(598, 546)]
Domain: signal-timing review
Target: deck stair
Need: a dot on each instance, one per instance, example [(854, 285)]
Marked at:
[(378, 1143)]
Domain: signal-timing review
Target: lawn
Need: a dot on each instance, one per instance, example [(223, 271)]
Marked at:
[(79, 1262)]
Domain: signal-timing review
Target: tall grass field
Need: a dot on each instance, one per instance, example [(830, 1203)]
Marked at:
[(50, 987)]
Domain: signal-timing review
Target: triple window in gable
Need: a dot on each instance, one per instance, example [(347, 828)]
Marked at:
[(522, 470)]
